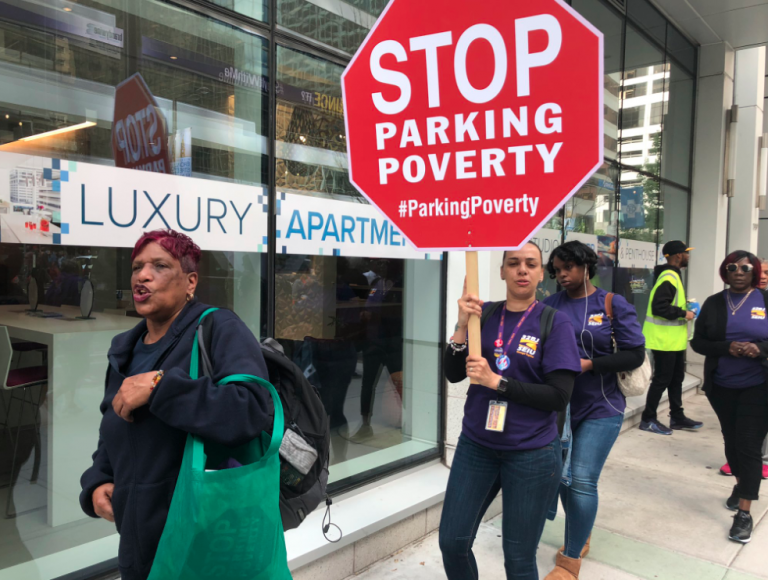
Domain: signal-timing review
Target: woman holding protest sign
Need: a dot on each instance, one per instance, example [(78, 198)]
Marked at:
[(509, 439)]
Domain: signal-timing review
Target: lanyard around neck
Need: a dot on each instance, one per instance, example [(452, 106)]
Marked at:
[(519, 324)]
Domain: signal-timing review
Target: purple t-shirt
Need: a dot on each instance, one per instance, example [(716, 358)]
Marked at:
[(525, 427), (749, 324), (588, 401)]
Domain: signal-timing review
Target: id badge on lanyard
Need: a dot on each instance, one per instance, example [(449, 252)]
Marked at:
[(497, 416), (497, 410)]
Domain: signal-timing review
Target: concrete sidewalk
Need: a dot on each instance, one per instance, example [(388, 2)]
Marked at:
[(661, 518)]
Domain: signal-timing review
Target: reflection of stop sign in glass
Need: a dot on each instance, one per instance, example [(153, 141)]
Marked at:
[(139, 130), (469, 128)]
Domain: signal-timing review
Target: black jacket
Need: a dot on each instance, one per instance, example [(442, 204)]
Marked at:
[(143, 458), (709, 334), (662, 305)]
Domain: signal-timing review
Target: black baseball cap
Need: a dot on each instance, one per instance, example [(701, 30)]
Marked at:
[(675, 247)]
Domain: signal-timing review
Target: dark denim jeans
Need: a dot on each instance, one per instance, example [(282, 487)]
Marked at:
[(528, 480), (592, 441)]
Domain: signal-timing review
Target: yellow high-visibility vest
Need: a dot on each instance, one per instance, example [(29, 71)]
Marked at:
[(661, 333)]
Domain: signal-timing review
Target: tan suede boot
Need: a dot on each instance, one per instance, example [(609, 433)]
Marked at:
[(584, 550), (565, 569)]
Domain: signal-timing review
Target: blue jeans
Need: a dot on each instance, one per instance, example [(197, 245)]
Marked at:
[(528, 480), (592, 441)]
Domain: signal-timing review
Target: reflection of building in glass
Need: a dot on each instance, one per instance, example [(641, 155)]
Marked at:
[(343, 25), (25, 182), (644, 102), (49, 199), (611, 105), (311, 136), (30, 189), (591, 209)]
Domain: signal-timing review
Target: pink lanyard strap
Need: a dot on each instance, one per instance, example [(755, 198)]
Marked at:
[(519, 324)]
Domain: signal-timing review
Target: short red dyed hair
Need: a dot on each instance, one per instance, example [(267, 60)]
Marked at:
[(737, 256), (176, 244)]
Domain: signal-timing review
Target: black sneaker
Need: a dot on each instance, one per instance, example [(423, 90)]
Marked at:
[(741, 531), (678, 423), (653, 426), (732, 503)]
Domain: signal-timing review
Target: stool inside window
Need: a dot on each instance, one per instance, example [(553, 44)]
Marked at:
[(27, 386)]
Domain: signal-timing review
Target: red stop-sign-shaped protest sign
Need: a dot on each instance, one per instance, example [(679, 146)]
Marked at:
[(470, 124), (139, 129)]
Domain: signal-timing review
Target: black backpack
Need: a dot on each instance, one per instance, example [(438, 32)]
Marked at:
[(306, 423)]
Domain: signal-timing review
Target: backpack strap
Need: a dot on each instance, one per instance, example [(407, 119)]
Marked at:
[(490, 311), (204, 333), (547, 320), (609, 306)]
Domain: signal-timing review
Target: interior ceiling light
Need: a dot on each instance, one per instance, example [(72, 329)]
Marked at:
[(174, 57), (67, 9), (59, 131)]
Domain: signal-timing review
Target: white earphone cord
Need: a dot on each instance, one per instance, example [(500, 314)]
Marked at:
[(591, 355)]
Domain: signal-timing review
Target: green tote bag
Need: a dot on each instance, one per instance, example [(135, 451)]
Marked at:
[(226, 524)]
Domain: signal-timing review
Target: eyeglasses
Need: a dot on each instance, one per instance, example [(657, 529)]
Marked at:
[(744, 267)]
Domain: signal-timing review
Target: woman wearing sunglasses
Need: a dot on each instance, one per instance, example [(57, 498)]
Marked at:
[(762, 285), (732, 332)]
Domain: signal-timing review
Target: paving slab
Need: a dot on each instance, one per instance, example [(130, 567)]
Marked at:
[(661, 517), (736, 575), (668, 510), (654, 491), (696, 454), (753, 558), (641, 559), (422, 561)]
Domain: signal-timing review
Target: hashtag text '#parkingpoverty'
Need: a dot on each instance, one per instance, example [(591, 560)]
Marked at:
[(469, 207)]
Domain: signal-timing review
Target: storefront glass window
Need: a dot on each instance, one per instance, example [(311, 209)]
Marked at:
[(590, 217), (355, 308), (642, 106), (311, 147), (655, 145), (611, 25), (641, 226), (161, 120), (648, 19), (677, 135), (682, 51)]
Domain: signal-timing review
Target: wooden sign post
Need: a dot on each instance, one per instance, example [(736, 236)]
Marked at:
[(473, 287)]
